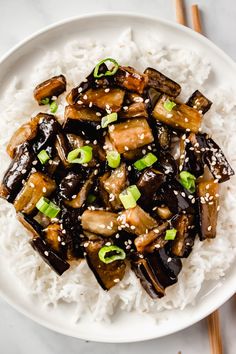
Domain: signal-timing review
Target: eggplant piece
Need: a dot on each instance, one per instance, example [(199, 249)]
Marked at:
[(30, 224), (148, 183), (75, 141), (135, 110), (115, 184), (184, 240), (54, 237), (48, 128), (164, 212), (80, 113), (55, 86), (130, 135), (17, 172), (214, 158), (107, 275), (199, 102), (25, 133), (125, 240), (130, 79), (152, 96), (52, 166), (99, 222), (70, 185), (79, 199), (163, 136), (111, 100), (144, 240), (37, 186), (50, 257), (191, 156), (167, 164), (170, 266), (208, 192), (162, 83), (63, 148), (104, 195), (136, 221), (181, 117)]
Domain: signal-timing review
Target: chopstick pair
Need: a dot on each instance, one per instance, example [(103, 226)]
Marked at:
[(181, 15), (213, 320)]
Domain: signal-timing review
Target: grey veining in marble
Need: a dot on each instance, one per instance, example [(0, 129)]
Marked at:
[(20, 18)]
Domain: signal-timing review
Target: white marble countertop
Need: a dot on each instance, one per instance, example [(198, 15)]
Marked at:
[(19, 335)]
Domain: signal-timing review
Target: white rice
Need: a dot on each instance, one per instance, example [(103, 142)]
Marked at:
[(209, 260)]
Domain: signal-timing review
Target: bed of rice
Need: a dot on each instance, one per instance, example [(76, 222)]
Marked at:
[(209, 260)]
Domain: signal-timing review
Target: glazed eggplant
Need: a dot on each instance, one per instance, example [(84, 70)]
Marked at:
[(130, 79), (49, 256), (162, 83), (163, 136), (30, 224), (63, 148), (142, 241), (208, 192), (100, 222), (55, 86), (148, 183), (180, 117), (130, 135), (70, 185), (107, 100), (48, 127), (191, 159), (183, 243), (198, 101)]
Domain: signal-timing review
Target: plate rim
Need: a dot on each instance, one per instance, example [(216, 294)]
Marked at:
[(127, 14)]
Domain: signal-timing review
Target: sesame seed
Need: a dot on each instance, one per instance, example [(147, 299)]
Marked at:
[(79, 102), (63, 243), (34, 162), (169, 260), (63, 231), (116, 280), (23, 171), (98, 127), (90, 104), (32, 185), (125, 108), (80, 89), (85, 97), (107, 90), (46, 253), (98, 114), (209, 228), (44, 189)]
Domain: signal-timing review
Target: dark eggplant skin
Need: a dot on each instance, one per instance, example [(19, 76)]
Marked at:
[(18, 171), (193, 161), (199, 101), (31, 225), (48, 127), (50, 257), (148, 183), (213, 156), (70, 185), (171, 266), (55, 86), (153, 96), (167, 164), (162, 83)]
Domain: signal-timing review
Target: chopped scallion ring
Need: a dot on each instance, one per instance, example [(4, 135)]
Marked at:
[(170, 234), (85, 153), (134, 191), (146, 161), (45, 101), (130, 196), (188, 181), (108, 72), (91, 198), (109, 254), (110, 118), (169, 105), (43, 157), (47, 208), (53, 107), (113, 159)]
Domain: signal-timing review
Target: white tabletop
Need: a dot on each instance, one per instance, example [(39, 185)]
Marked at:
[(19, 335)]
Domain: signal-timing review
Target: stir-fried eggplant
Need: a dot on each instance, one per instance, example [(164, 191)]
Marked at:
[(199, 102), (49, 88), (122, 178), (180, 117), (162, 83), (130, 135), (208, 192)]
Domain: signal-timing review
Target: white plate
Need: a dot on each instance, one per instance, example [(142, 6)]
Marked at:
[(126, 327)]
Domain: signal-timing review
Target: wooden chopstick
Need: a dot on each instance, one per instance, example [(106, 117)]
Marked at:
[(196, 19), (180, 12), (213, 321)]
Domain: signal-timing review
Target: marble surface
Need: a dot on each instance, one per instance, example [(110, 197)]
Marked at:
[(19, 335)]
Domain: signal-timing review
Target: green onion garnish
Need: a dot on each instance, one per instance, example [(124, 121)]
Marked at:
[(108, 119), (47, 208), (45, 101), (146, 161), (91, 198), (169, 105), (85, 153), (53, 107), (130, 196), (188, 181), (113, 159), (108, 72), (170, 234), (109, 254), (43, 157)]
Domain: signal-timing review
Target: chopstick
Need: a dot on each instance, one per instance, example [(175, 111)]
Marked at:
[(213, 320), (180, 12)]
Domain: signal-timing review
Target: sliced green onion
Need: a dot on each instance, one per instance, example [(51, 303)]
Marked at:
[(91, 198), (43, 157), (110, 118), (169, 105), (45, 101), (127, 199), (188, 181), (170, 234), (85, 153), (134, 191), (146, 161), (113, 159), (109, 254), (47, 208), (108, 72), (53, 107)]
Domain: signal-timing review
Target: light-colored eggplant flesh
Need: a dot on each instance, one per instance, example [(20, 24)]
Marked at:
[(100, 222)]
